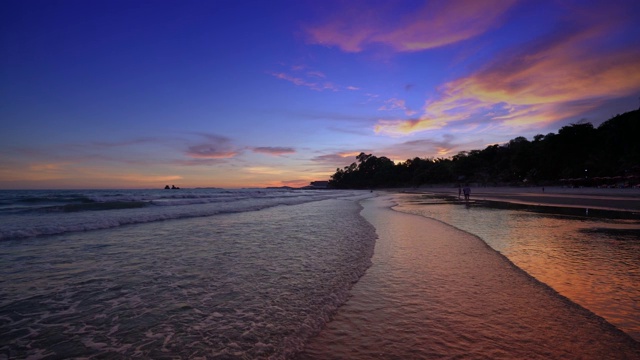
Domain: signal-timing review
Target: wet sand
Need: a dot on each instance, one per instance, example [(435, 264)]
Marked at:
[(588, 198), (434, 291)]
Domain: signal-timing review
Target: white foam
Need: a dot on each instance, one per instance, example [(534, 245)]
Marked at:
[(19, 226)]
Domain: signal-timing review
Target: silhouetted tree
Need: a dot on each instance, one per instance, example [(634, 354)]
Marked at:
[(610, 151)]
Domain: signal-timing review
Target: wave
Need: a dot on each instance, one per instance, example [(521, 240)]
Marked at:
[(95, 206), (137, 208), (252, 285)]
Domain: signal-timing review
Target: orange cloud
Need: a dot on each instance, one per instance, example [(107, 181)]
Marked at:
[(49, 167), (349, 154), (36, 171), (432, 25), (140, 178), (264, 170), (402, 127), (548, 81)]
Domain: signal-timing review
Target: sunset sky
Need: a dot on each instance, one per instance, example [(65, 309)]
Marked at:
[(140, 94)]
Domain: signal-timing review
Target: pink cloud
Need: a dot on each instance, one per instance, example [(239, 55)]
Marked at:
[(562, 76), (430, 26)]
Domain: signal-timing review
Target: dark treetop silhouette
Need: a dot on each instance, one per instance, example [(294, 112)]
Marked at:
[(578, 155)]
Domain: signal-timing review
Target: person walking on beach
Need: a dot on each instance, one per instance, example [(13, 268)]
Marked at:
[(459, 191), (467, 192)]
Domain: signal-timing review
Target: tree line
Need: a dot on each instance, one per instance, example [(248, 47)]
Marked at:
[(578, 155)]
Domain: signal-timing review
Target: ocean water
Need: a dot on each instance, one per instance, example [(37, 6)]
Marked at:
[(193, 274), (277, 274), (592, 257)]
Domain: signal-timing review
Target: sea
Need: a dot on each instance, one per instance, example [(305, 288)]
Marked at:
[(266, 273)]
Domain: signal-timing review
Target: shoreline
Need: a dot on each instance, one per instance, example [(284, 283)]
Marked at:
[(589, 198), (435, 291)]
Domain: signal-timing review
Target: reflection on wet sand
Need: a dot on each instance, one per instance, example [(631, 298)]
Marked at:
[(593, 259), (434, 291)]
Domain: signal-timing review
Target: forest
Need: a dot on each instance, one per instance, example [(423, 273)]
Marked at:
[(578, 155)]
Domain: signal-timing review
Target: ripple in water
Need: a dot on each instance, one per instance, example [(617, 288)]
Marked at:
[(247, 285)]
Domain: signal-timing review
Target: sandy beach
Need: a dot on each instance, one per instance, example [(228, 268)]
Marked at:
[(588, 198), (434, 291)]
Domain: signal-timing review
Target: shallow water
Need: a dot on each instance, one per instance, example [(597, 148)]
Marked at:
[(244, 285), (434, 291), (592, 260), (235, 275)]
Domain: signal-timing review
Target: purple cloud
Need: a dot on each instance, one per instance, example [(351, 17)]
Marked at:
[(277, 151)]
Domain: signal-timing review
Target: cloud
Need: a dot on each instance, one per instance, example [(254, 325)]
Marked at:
[(300, 75), (277, 151), (215, 147), (143, 178), (318, 86), (403, 127), (563, 75), (338, 158), (440, 147), (264, 170), (397, 104), (132, 142), (358, 25), (49, 167), (317, 74)]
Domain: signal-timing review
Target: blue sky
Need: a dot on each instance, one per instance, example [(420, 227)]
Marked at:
[(103, 94)]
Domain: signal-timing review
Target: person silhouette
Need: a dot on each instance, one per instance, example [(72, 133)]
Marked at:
[(467, 192)]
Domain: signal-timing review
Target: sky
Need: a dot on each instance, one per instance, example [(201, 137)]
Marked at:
[(233, 93)]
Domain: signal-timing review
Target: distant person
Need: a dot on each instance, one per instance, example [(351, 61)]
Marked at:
[(467, 192), (459, 191)]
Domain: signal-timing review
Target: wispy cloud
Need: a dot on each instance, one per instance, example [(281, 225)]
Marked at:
[(48, 167), (300, 75), (313, 85), (445, 146), (358, 25), (144, 178), (264, 170), (397, 104), (129, 142), (277, 151), (549, 80), (214, 147), (338, 158)]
